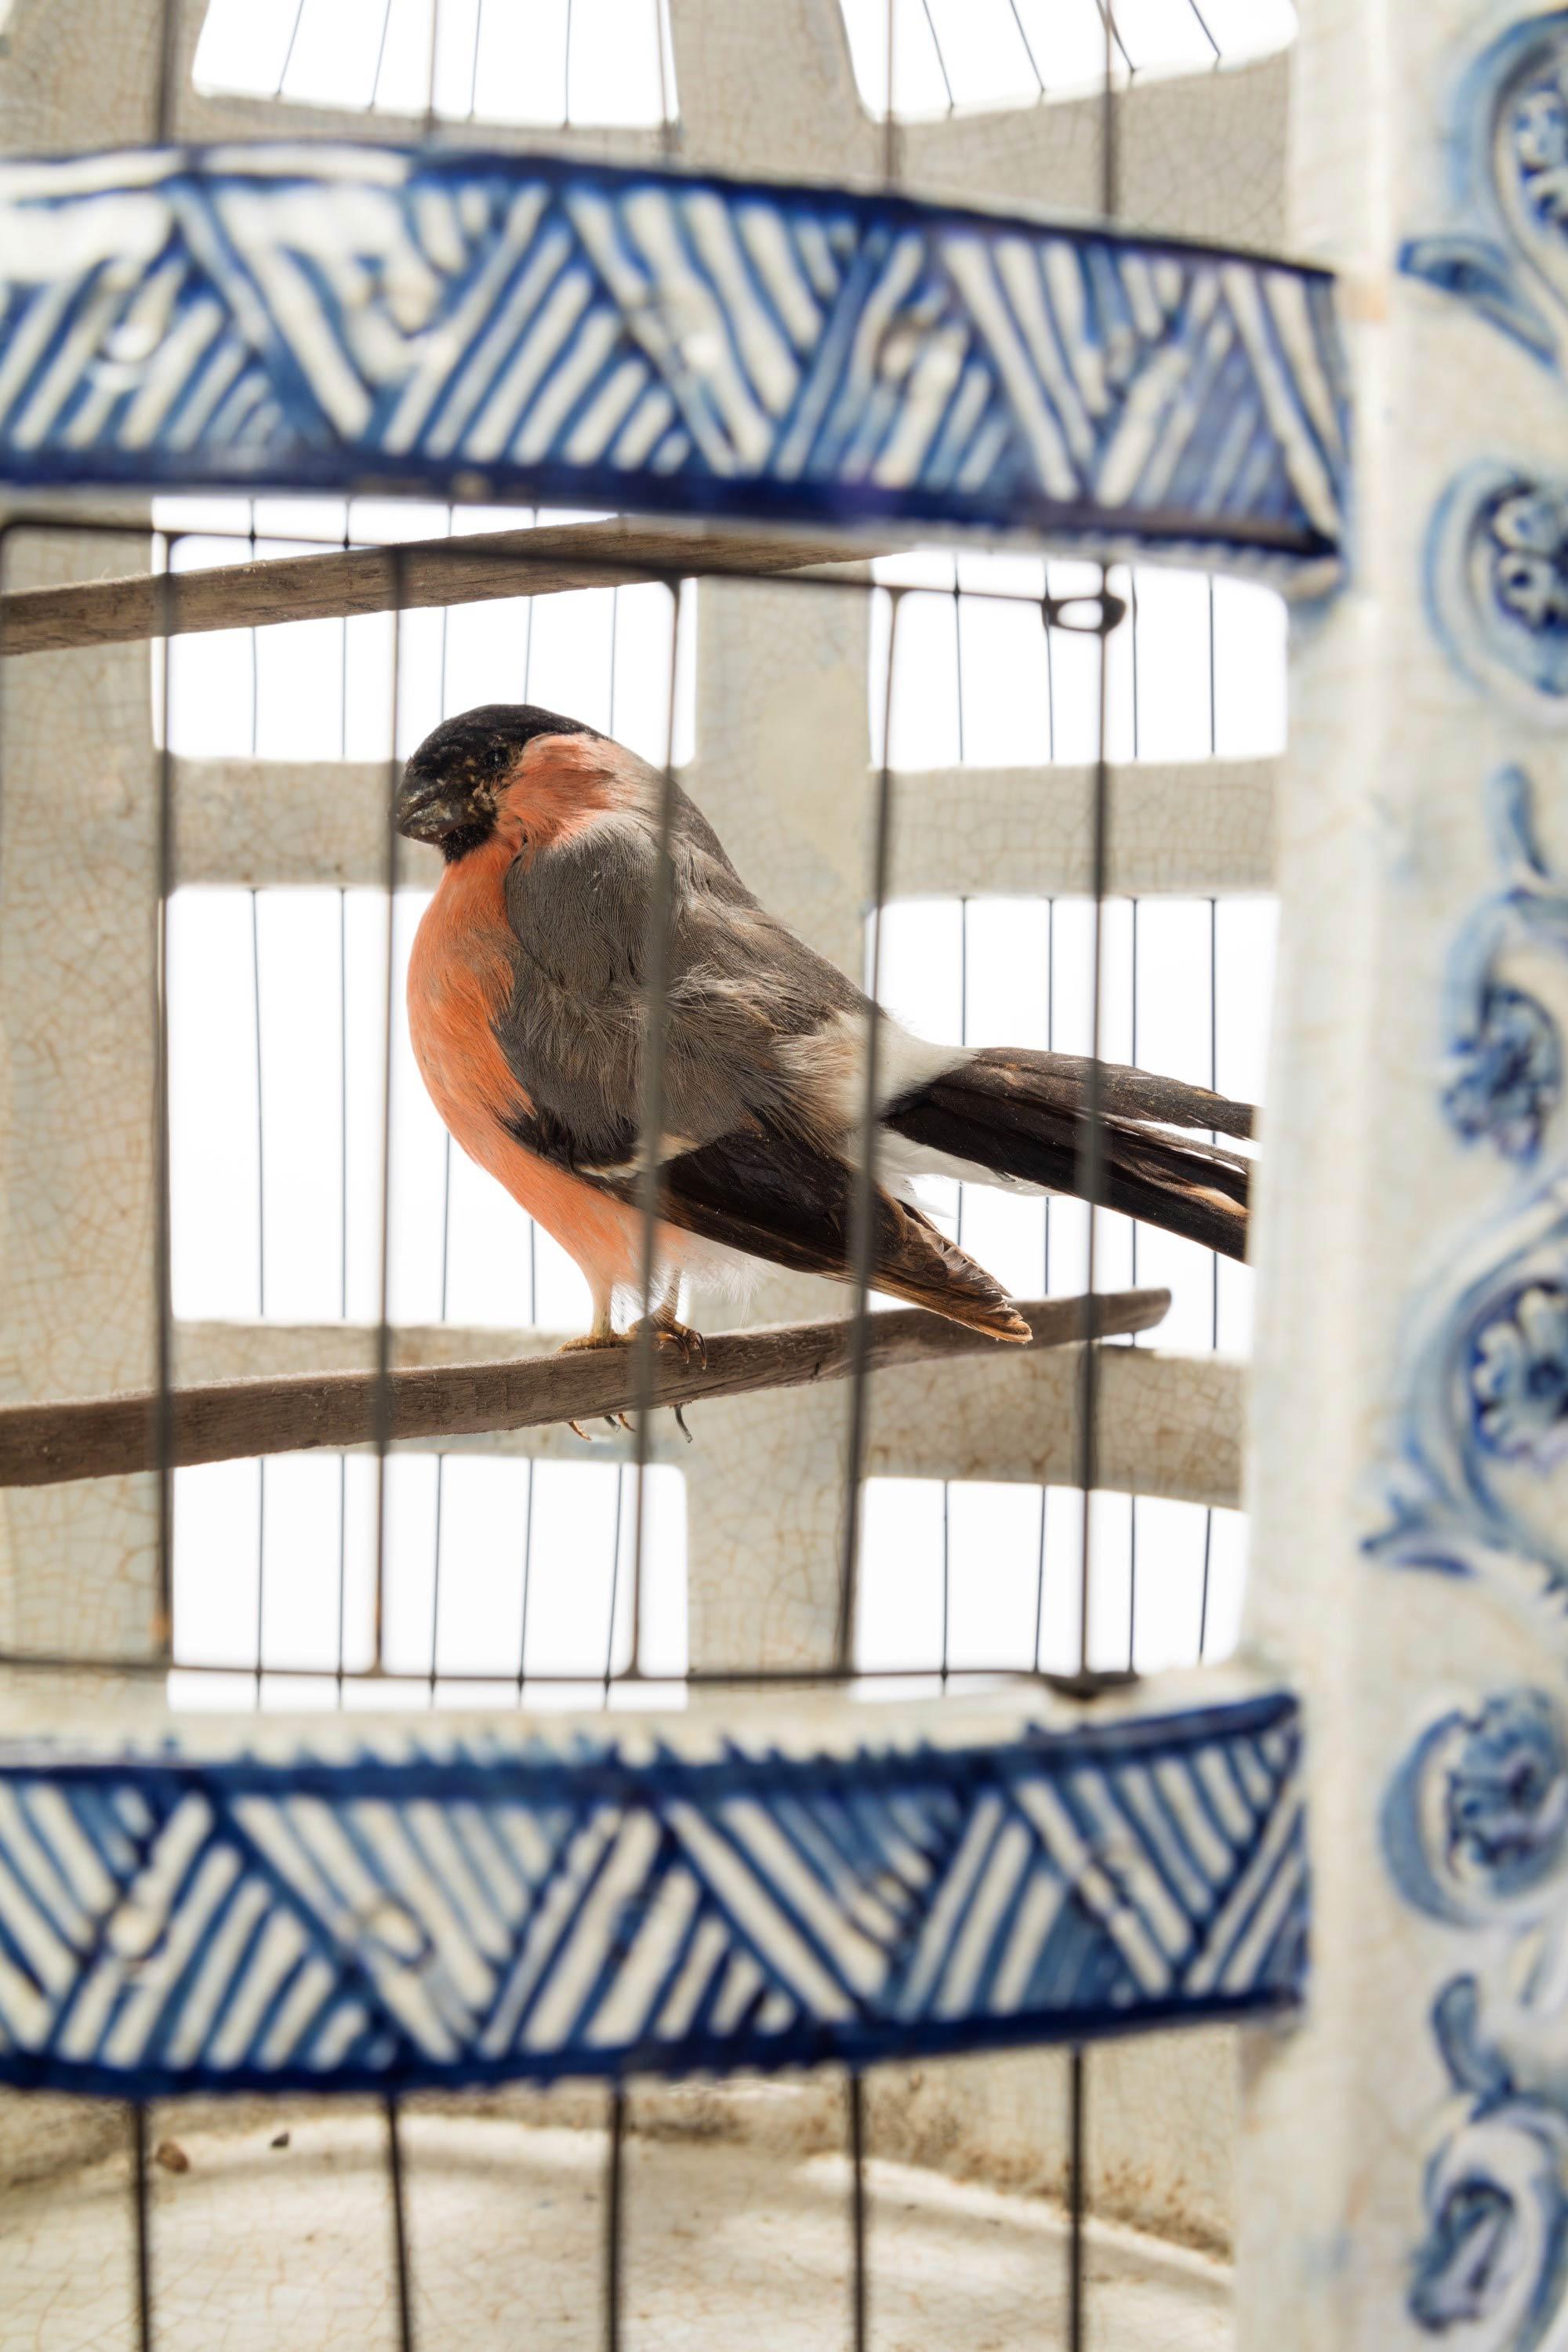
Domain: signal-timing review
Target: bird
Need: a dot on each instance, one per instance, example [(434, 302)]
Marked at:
[(528, 1014)]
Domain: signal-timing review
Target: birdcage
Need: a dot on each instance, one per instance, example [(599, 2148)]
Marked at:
[(804, 1830)]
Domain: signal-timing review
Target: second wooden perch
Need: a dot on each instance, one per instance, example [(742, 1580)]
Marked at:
[(103, 1437)]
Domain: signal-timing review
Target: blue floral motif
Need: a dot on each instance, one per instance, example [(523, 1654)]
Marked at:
[(1497, 584), (1484, 1383), (1506, 1074), (1493, 2258), (1475, 1826), (1457, 2266), (1476, 1831), (1536, 137), (1519, 1375), (1508, 1790), (1526, 532), (1503, 255)]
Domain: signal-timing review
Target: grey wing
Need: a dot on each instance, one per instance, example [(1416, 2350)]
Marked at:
[(744, 995), (752, 1152)]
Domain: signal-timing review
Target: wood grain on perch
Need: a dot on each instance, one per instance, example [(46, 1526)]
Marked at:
[(103, 1437), (472, 569)]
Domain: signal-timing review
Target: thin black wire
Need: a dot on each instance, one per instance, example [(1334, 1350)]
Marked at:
[(382, 1409), (1045, 608), (532, 1227), (859, 2299), (1091, 1168), (138, 2224), (567, 72), (527, 1578), (890, 120), (260, 1569), (162, 1215), (615, 633), (659, 954), (667, 123), (436, 1569), (946, 1578), (1132, 1222), (1077, 2147), (474, 65), (609, 1674), (1204, 28), (1214, 1083), (170, 29), (1050, 1048), (1213, 1271), (288, 52), (446, 1222), (397, 2187), (1040, 1582), (940, 60), (260, 1265), (962, 999), (343, 1230), (615, 2197), (1029, 50), (430, 134), (963, 1040), (1113, 42), (380, 54), (255, 657), (863, 1209)]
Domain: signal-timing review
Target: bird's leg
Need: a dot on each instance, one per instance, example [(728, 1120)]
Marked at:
[(601, 1333)]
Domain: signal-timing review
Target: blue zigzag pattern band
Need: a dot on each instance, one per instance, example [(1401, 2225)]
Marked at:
[(476, 1913), (354, 318)]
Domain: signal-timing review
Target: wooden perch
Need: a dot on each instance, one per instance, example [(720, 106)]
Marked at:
[(103, 1437), (468, 570)]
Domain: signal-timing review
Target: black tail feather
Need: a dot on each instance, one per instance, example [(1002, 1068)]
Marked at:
[(1024, 1115)]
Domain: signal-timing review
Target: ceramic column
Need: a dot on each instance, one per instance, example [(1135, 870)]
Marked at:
[(1404, 2166)]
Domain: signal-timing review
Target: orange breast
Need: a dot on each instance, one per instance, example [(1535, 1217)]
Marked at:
[(460, 978)]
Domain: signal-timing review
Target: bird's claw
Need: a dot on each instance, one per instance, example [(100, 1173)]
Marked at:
[(667, 1333)]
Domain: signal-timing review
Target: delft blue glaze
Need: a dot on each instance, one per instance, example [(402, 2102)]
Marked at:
[(441, 1915), (1496, 583), (1474, 1824), (1483, 1409), (1507, 256), (349, 318), (1475, 1829)]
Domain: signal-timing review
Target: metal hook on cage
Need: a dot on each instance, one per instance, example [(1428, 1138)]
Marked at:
[(1105, 610)]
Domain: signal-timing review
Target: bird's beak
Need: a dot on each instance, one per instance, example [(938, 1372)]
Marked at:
[(428, 810)]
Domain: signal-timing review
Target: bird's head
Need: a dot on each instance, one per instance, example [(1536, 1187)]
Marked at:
[(453, 785)]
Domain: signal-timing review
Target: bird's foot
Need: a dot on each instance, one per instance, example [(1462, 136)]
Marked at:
[(680, 1338), (601, 1336), (666, 1333)]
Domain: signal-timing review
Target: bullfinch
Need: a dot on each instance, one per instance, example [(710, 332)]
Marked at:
[(527, 1010)]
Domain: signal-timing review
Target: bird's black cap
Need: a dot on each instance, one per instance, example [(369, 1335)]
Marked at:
[(451, 783)]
